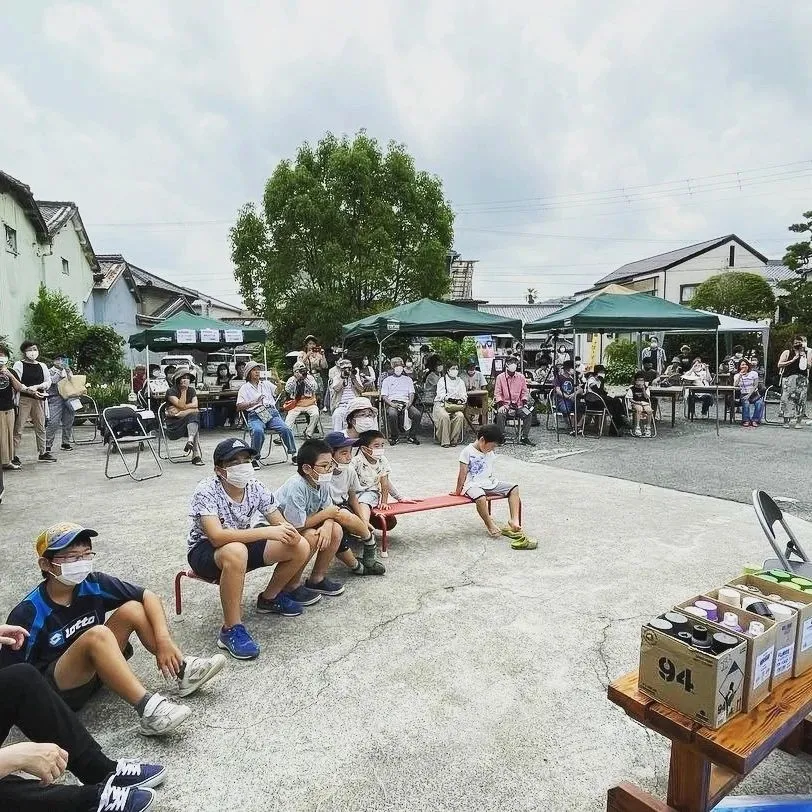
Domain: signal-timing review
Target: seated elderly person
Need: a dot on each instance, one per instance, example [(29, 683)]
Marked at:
[(397, 393), (361, 416), (257, 401), (301, 389), (512, 399), (449, 408), (344, 387), (699, 375), (182, 415), (433, 373)]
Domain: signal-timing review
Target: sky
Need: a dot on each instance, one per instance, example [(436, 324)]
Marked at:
[(571, 138)]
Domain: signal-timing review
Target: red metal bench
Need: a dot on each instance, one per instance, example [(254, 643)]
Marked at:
[(187, 572), (431, 503)]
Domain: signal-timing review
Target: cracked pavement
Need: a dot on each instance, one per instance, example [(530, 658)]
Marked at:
[(469, 677)]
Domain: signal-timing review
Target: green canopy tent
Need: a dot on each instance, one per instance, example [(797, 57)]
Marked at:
[(627, 313), (427, 317)]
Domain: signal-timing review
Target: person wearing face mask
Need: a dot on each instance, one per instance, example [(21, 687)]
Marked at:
[(699, 375), (654, 353), (449, 408), (344, 388), (512, 397), (793, 366), (306, 504), (596, 385), (374, 471), (224, 543), (79, 648), (60, 412), (183, 415), (397, 393), (434, 371), (366, 372), (33, 405), (361, 416), (302, 390), (10, 387)]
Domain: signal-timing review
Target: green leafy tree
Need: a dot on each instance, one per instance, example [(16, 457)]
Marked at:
[(55, 323), (344, 231), (795, 300), (621, 357), (99, 351), (451, 351), (736, 293), (799, 254)]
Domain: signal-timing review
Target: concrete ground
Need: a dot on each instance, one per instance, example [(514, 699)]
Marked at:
[(469, 677)]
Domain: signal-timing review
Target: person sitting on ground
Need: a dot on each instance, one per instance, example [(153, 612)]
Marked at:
[(257, 401), (79, 649), (746, 380), (223, 544), (640, 402), (596, 386), (434, 371), (568, 397), (512, 399), (60, 412), (344, 487), (361, 416), (182, 415), (306, 504), (301, 390), (10, 386), (374, 471), (449, 408), (699, 375), (477, 481), (397, 393), (344, 388), (58, 741), (36, 381)]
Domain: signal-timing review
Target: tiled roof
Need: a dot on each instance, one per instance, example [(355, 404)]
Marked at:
[(776, 272), (25, 199), (669, 259), (146, 278), (112, 266), (56, 213), (526, 312)]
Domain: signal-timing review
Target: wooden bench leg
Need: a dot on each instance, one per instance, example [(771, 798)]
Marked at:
[(629, 798), (799, 741), (694, 784)]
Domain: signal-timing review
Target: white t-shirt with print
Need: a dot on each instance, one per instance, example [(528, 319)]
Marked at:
[(370, 473), (211, 499), (480, 468), (344, 482)]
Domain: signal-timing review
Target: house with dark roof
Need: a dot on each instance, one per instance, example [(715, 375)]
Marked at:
[(43, 241), (675, 275)]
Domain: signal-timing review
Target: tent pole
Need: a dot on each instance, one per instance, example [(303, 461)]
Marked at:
[(733, 404), (575, 373)]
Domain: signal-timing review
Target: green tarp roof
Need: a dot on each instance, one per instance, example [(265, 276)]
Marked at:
[(163, 336), (427, 317), (619, 312)]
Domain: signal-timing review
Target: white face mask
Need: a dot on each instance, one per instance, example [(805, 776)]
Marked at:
[(398, 370), (240, 475), (601, 376), (72, 573), (366, 424), (340, 468), (3, 361), (325, 479), (511, 367), (32, 355), (377, 453), (452, 373)]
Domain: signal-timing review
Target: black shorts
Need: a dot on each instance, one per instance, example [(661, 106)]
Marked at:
[(201, 559)]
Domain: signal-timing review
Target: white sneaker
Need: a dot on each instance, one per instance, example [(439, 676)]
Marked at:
[(646, 432), (798, 426), (638, 433), (162, 716), (198, 671)]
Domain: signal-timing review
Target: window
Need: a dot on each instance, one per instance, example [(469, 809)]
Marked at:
[(686, 293), (731, 262), (11, 240), (65, 267)]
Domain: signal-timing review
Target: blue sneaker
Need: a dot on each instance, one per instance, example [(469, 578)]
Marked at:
[(326, 587), (238, 643), (137, 775), (282, 605), (303, 595), (124, 799)]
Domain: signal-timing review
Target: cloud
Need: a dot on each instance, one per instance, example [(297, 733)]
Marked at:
[(155, 113)]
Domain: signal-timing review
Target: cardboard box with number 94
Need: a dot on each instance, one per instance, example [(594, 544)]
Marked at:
[(707, 688)]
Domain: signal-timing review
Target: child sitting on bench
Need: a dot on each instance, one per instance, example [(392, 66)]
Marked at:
[(344, 487), (373, 471), (477, 481)]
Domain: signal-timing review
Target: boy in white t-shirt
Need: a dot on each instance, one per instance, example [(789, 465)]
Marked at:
[(477, 481), (344, 488)]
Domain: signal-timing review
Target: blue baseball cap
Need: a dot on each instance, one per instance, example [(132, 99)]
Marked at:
[(59, 536), (228, 449), (337, 439)]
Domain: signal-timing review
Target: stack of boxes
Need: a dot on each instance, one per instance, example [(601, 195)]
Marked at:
[(722, 652)]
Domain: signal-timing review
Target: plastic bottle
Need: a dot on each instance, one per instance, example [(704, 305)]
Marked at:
[(696, 612), (722, 642), (700, 639), (731, 620)]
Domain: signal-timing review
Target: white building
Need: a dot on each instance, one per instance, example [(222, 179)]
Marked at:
[(42, 242)]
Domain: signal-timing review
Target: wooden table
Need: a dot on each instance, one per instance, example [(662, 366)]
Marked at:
[(672, 392), (707, 764), (727, 391)]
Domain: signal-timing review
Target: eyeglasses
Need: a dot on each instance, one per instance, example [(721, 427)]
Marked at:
[(70, 559), (324, 466)]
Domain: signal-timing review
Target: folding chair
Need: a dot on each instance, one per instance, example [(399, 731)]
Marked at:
[(124, 429), (552, 411), (630, 418), (88, 412), (768, 514), (164, 448), (513, 427), (269, 434), (595, 413)]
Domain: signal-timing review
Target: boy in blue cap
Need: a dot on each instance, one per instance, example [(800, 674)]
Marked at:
[(78, 648)]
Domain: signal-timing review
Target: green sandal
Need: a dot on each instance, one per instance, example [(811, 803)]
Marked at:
[(524, 543), (510, 533)]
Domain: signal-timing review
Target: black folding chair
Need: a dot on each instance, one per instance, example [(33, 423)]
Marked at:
[(123, 430), (595, 413), (164, 447), (768, 515)]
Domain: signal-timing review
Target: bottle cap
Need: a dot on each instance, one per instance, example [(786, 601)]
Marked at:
[(723, 642), (709, 608), (791, 585), (685, 637), (780, 575), (732, 597), (699, 637), (804, 583), (677, 620), (661, 625), (730, 619), (755, 628), (695, 611)]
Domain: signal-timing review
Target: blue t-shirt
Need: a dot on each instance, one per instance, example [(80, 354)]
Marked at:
[(52, 628), (298, 499)]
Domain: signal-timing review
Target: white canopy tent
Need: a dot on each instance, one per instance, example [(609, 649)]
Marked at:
[(730, 324)]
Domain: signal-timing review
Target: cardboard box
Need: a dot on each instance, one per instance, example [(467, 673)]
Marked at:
[(706, 687), (760, 650), (803, 633), (785, 635)]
